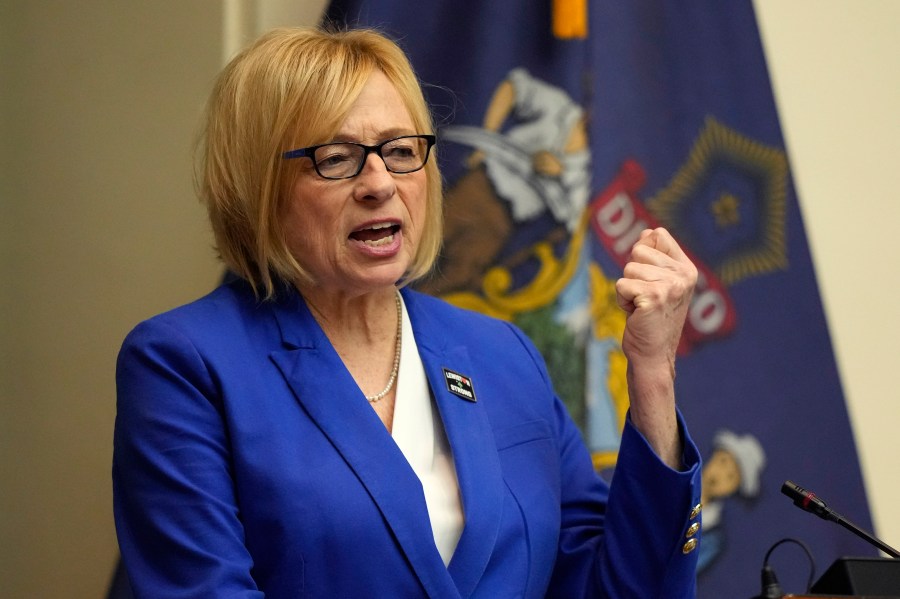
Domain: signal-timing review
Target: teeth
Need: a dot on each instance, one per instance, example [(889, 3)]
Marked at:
[(379, 242), (381, 226)]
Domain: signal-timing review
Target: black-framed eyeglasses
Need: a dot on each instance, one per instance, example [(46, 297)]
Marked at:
[(343, 160)]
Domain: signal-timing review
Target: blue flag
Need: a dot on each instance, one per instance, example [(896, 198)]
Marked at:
[(557, 153)]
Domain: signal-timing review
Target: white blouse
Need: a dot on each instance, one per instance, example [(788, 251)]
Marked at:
[(419, 433)]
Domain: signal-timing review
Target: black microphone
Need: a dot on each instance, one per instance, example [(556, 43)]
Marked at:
[(810, 502)]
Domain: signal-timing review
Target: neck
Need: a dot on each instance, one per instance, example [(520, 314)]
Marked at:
[(366, 333), (365, 318)]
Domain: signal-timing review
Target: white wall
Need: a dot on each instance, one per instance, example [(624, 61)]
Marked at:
[(835, 66), (100, 101)]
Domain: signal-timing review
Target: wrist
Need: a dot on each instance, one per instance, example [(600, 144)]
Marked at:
[(651, 379), (652, 397)]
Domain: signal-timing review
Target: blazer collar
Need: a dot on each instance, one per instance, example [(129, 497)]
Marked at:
[(471, 439), (338, 407)]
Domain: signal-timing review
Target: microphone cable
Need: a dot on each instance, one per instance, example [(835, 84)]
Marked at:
[(771, 589)]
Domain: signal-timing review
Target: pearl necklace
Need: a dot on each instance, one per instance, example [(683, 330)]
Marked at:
[(396, 369)]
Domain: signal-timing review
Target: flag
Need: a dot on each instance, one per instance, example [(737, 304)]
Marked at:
[(565, 128)]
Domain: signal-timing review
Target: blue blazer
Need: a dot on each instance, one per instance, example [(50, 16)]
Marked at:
[(248, 463)]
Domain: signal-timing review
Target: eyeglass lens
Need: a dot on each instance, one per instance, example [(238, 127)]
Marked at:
[(340, 160)]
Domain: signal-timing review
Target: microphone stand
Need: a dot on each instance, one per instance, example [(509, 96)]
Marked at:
[(810, 502)]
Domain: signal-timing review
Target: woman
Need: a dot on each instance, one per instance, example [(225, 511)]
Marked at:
[(313, 431)]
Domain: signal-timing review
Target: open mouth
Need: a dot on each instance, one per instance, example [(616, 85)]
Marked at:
[(376, 235)]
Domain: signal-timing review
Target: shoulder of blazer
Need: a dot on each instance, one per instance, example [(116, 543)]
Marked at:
[(229, 312)]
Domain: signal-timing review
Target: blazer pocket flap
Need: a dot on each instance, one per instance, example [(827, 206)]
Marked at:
[(524, 432)]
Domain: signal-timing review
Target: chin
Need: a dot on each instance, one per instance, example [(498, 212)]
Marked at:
[(383, 278)]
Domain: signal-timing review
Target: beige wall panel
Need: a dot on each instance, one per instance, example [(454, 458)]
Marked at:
[(101, 102), (835, 67)]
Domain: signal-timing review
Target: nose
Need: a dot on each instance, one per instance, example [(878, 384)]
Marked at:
[(374, 182)]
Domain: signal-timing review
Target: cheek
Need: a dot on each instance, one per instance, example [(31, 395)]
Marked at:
[(306, 234), (306, 218), (293, 224), (732, 480), (317, 235), (416, 205)]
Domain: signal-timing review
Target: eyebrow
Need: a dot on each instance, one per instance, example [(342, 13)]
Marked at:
[(383, 135)]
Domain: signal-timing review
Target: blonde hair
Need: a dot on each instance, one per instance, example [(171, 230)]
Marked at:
[(293, 88)]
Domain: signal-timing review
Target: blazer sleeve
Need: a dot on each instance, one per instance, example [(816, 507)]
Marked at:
[(633, 537), (174, 500)]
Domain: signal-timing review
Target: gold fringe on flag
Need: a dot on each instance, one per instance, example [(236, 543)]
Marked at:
[(570, 18)]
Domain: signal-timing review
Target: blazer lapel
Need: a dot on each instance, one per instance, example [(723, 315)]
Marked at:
[(472, 441), (327, 392)]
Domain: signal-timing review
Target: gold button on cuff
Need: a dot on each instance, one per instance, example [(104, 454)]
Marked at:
[(696, 511), (692, 529), (689, 546)]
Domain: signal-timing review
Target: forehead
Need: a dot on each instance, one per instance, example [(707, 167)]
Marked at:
[(378, 112), (723, 457)]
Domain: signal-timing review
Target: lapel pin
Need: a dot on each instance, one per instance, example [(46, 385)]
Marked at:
[(459, 384)]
